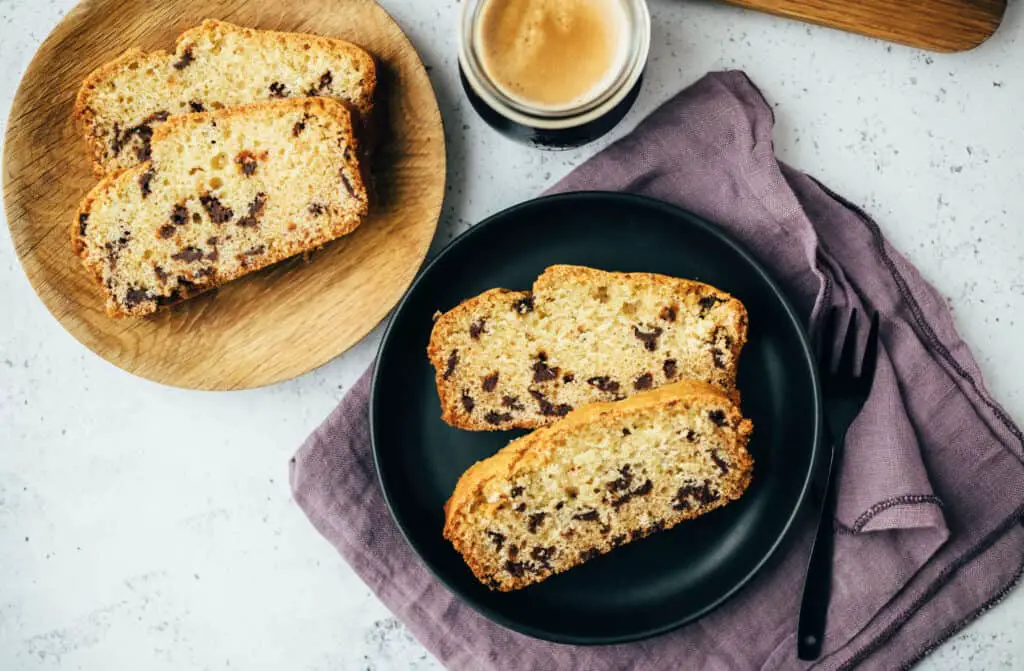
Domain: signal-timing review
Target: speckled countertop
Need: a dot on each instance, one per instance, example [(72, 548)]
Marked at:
[(126, 548)]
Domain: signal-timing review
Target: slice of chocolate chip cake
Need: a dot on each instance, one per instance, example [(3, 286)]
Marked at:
[(606, 475), (513, 359), (224, 193), (214, 65)]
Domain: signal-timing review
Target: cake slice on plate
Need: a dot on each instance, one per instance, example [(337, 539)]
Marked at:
[(222, 194), (520, 359), (214, 65), (605, 475)]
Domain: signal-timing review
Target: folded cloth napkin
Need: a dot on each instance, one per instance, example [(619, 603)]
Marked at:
[(931, 492)]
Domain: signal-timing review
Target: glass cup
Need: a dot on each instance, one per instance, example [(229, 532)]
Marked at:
[(553, 127)]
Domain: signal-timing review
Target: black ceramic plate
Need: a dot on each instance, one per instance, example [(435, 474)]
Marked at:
[(653, 585)]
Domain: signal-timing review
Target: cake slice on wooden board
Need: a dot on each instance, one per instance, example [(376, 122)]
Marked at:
[(223, 194), (605, 475), (214, 65), (516, 359)]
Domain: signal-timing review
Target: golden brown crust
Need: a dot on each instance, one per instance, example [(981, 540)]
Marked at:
[(448, 328), (469, 503), (285, 248)]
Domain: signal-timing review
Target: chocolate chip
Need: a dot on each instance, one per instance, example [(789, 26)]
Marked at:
[(519, 507), (543, 555), (523, 305), (185, 60), (515, 569), (649, 338), (212, 255), (467, 402), (722, 464), (701, 494), (636, 534), (247, 162), (708, 302), (325, 81), (668, 313), (134, 296), (535, 520), (547, 408), (559, 505), (516, 491), (568, 378), (588, 516), (626, 432), (690, 435), (656, 527), (513, 551), (494, 417), (144, 180), (490, 382), (166, 231), (179, 215), (299, 126), (717, 416), (604, 383), (718, 357), (256, 251), (189, 255), (160, 274), (512, 402), (670, 368), (618, 540), (587, 555), (645, 381), (215, 210), (346, 183), (497, 539), (624, 480), (162, 115), (83, 224), (541, 371), (144, 151), (278, 90), (195, 106), (642, 490), (256, 207), (453, 360), (477, 327), (316, 209)]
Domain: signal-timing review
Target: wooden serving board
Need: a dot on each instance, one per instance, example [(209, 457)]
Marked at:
[(937, 25), (277, 323)]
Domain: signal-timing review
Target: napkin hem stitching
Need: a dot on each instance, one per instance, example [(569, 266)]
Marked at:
[(957, 626), (880, 507), (915, 309), (936, 585)]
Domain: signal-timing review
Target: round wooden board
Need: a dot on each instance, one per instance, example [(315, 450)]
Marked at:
[(277, 323)]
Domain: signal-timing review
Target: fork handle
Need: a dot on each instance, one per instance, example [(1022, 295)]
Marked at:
[(818, 581)]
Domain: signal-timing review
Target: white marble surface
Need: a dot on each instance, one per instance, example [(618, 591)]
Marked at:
[(121, 547)]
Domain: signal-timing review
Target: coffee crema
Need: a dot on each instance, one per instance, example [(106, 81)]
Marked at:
[(552, 54)]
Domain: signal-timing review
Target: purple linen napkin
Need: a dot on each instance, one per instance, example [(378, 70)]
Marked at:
[(932, 483)]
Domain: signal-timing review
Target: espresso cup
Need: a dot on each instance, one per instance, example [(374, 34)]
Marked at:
[(553, 73)]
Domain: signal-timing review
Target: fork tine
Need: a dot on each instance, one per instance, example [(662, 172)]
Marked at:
[(848, 355), (867, 371), (824, 344)]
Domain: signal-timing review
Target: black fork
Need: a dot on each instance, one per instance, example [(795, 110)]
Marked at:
[(844, 392)]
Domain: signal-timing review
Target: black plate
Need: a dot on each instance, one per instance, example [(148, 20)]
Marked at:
[(650, 586)]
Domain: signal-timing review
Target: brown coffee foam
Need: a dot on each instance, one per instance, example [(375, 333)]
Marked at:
[(551, 53)]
